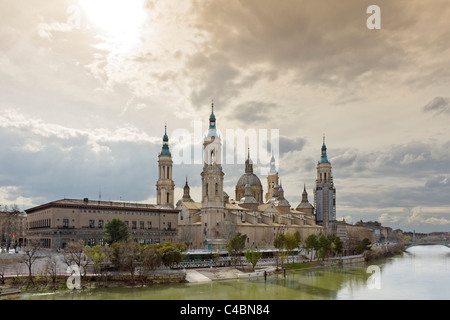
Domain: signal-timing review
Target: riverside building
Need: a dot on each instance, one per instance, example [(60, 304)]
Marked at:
[(58, 223)]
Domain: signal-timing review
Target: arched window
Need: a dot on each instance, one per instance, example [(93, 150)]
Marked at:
[(217, 189), (167, 197)]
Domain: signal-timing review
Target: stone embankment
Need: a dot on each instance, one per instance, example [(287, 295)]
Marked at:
[(212, 274), (383, 251)]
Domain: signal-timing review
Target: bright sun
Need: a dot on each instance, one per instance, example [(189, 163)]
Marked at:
[(120, 19)]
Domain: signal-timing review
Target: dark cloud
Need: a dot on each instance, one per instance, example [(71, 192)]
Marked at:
[(287, 144), (49, 167), (320, 43), (438, 105), (254, 112)]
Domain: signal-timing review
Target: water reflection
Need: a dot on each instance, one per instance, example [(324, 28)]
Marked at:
[(419, 273)]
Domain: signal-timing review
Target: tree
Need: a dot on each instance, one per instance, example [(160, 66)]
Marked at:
[(30, 257), (149, 259), (125, 256), (253, 256), (100, 257), (11, 226), (279, 242), (311, 244), (364, 245), (116, 230), (235, 246), (74, 255), (171, 254), (337, 246), (291, 242), (324, 246), (51, 268)]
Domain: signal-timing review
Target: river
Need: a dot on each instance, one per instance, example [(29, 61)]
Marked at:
[(421, 273)]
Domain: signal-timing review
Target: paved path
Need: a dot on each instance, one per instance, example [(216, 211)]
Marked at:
[(194, 276)]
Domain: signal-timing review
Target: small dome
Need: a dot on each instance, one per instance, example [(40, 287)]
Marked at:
[(248, 199), (282, 203), (305, 206)]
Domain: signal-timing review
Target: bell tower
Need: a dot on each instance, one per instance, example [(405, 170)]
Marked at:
[(165, 185), (325, 193), (272, 179), (213, 210)]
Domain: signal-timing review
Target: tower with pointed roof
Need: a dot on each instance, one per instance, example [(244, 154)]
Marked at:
[(272, 179), (304, 206), (165, 185), (213, 209), (325, 193)]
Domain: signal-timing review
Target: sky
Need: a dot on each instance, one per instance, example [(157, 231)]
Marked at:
[(87, 87)]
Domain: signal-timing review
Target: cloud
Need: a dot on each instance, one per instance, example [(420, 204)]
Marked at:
[(387, 218), (45, 29), (438, 105), (418, 216), (254, 112), (44, 162), (288, 144)]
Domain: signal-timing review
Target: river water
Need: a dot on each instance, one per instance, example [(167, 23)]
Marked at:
[(421, 273)]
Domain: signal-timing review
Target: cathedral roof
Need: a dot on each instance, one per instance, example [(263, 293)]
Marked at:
[(249, 178), (303, 205), (248, 199)]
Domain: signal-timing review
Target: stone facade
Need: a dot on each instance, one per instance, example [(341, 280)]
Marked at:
[(58, 223), (210, 224)]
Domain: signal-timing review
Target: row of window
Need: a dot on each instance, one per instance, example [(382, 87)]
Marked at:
[(44, 223), (123, 212)]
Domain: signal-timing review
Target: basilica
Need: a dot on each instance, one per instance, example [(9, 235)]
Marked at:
[(206, 223), (213, 220)]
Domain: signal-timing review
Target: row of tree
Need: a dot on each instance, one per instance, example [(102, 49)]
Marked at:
[(318, 246)]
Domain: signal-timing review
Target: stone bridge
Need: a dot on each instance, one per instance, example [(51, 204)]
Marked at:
[(426, 243)]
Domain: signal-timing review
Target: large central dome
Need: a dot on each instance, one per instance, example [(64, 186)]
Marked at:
[(251, 180)]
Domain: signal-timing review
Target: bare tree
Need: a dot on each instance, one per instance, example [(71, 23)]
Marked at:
[(30, 257), (228, 229), (51, 268), (74, 255), (187, 234), (11, 225), (5, 263)]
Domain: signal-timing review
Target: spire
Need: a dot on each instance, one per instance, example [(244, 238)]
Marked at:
[(324, 158), (165, 148), (186, 190), (273, 168), (248, 163), (304, 195), (212, 117), (186, 194), (212, 123)]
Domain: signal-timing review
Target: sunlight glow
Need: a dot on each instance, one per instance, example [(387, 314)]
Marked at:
[(119, 19)]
